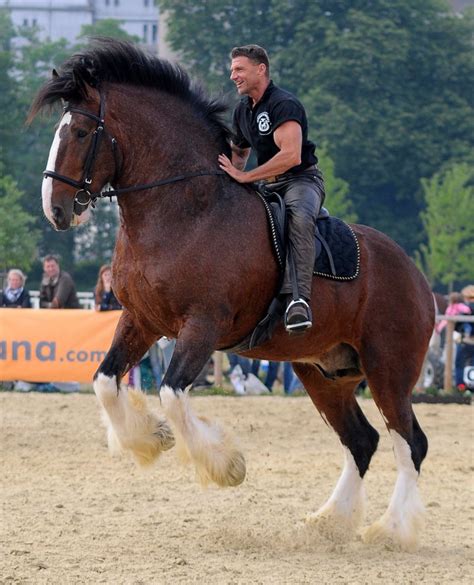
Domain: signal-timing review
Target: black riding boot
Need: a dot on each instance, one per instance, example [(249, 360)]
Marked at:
[(298, 317)]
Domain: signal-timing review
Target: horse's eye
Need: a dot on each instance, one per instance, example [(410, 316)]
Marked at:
[(81, 133)]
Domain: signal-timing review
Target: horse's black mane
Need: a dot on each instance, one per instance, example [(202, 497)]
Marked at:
[(110, 60)]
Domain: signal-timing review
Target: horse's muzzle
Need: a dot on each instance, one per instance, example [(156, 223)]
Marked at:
[(61, 223)]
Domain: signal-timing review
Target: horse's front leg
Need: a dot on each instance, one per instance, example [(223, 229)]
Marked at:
[(130, 424), (205, 443)]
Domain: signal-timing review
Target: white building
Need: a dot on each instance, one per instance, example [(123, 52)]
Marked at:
[(64, 18)]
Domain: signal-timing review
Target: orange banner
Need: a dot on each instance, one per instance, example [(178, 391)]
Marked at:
[(54, 345)]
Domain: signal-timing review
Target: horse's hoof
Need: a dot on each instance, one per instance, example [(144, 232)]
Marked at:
[(223, 464), (333, 526), (149, 446), (164, 435), (392, 536), (133, 427), (234, 475)]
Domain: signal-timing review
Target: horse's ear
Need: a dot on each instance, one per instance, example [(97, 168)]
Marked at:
[(54, 74)]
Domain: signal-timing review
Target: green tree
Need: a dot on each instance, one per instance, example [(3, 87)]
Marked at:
[(34, 61), (386, 84), (18, 240), (8, 89), (339, 202), (448, 222), (108, 27)]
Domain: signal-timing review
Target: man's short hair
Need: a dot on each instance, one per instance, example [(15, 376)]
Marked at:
[(255, 53), (50, 257)]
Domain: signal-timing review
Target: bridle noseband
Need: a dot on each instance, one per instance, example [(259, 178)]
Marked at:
[(83, 186)]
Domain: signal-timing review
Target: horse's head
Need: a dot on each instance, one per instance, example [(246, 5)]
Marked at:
[(84, 156), (82, 159)]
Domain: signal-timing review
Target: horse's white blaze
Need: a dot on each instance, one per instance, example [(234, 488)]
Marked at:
[(131, 426), (404, 517), (343, 513), (205, 443), (47, 186)]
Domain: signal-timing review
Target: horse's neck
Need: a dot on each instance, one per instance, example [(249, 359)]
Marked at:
[(159, 137)]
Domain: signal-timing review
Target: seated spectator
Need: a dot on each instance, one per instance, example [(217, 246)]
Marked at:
[(238, 360), (58, 290), (15, 294), (465, 349), (105, 299), (290, 380), (456, 306)]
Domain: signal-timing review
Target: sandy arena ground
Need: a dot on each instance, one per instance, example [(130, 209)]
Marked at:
[(73, 514)]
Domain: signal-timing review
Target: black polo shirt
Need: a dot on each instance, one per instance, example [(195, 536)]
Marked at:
[(254, 128)]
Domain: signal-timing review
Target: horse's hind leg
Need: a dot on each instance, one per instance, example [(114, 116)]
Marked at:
[(402, 522), (342, 514), (204, 442), (131, 426)]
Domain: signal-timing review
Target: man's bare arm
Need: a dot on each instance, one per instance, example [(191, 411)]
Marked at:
[(288, 137)]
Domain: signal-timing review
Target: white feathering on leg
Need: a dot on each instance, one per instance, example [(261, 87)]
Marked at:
[(340, 517), (131, 426), (403, 520), (211, 449)]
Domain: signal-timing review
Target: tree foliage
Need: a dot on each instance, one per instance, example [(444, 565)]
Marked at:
[(448, 221), (18, 240), (108, 27), (386, 85), (340, 203)]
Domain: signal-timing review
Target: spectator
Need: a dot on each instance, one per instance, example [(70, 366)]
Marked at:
[(105, 299), (58, 290), (456, 306), (290, 380), (238, 360), (15, 294), (465, 349), (161, 353)]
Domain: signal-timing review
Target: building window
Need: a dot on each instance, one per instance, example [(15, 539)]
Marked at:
[(154, 33), (107, 2), (145, 33), (146, 3), (35, 22), (25, 22), (116, 2)]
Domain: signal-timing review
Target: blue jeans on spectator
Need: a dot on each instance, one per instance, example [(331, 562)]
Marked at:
[(464, 357), (237, 360), (288, 376), (161, 353)]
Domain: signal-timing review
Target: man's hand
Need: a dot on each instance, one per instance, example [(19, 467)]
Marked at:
[(226, 165)]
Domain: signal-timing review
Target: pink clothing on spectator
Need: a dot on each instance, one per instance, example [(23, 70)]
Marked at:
[(454, 309)]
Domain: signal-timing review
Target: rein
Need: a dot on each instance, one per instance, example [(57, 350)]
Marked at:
[(82, 186), (176, 179)]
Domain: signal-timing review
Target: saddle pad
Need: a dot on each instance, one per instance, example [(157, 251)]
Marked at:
[(344, 247)]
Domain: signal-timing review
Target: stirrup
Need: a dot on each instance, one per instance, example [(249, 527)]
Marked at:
[(298, 326)]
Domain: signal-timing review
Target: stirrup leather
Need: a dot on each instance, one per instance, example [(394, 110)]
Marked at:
[(301, 325)]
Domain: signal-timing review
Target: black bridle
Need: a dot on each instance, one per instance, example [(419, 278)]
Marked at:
[(84, 196)]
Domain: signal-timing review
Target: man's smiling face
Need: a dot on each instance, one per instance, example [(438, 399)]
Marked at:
[(247, 75)]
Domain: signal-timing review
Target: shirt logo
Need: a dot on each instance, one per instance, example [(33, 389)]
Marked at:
[(263, 123)]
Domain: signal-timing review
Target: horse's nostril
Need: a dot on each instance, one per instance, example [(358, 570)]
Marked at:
[(58, 214)]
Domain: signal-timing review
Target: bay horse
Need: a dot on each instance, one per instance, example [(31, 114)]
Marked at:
[(193, 261)]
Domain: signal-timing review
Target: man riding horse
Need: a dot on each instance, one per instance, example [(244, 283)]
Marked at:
[(273, 122)]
